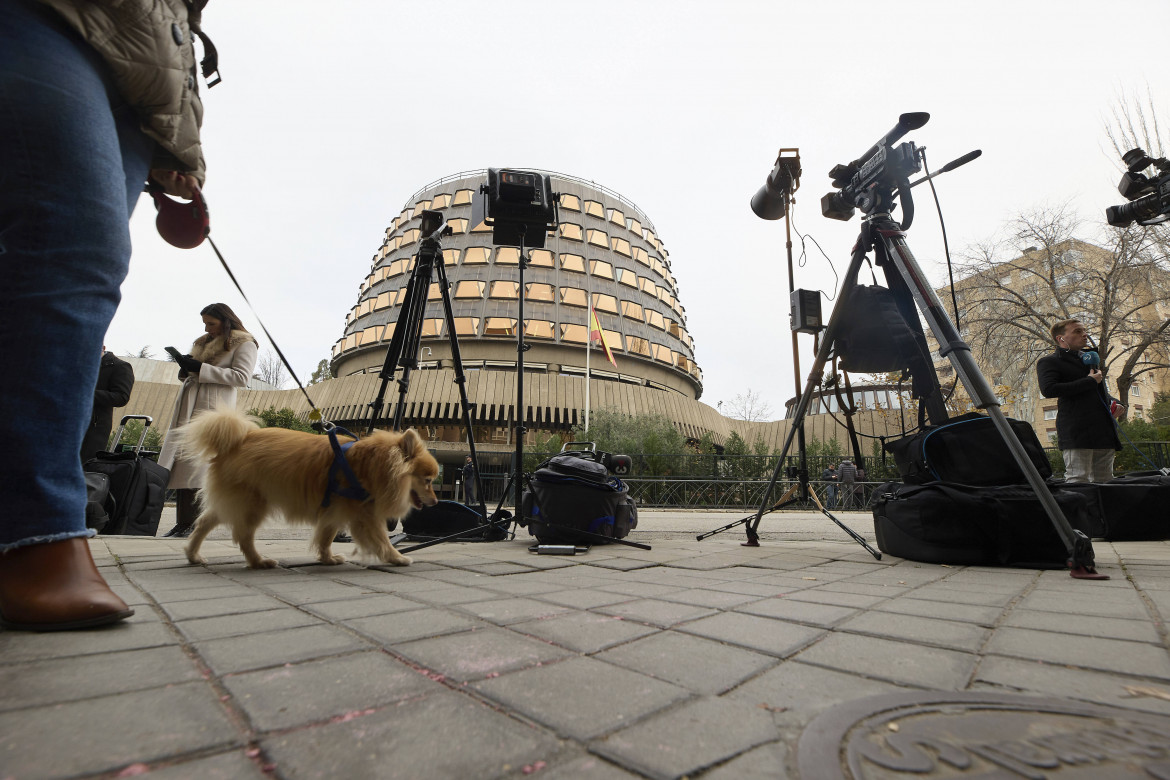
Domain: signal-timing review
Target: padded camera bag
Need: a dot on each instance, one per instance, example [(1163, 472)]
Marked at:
[(967, 450), (968, 525), (1131, 508), (448, 518), (574, 494), (99, 504)]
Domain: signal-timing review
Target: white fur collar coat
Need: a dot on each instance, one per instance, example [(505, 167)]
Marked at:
[(224, 369)]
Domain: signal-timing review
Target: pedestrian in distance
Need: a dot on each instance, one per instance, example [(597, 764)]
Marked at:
[(468, 481), (829, 477), (847, 475)]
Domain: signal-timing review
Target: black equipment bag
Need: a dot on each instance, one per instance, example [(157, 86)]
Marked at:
[(575, 492), (99, 504), (1130, 508), (968, 450), (874, 336), (966, 525), (448, 518), (138, 485)]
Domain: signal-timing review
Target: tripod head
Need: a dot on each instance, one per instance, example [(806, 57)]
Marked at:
[(868, 183), (433, 226)]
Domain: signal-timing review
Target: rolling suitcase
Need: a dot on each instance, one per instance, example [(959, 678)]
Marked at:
[(137, 484)]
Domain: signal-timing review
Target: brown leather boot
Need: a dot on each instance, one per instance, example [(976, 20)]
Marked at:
[(56, 587)]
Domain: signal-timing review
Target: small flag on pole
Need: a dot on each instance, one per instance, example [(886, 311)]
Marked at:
[(597, 336)]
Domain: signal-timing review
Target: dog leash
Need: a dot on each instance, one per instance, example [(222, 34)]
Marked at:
[(186, 225)]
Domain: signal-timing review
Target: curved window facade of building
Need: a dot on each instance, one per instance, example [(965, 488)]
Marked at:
[(604, 252)]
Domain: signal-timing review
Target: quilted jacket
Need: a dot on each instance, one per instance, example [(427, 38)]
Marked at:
[(149, 47)]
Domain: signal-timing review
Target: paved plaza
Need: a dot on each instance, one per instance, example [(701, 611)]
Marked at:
[(693, 659)]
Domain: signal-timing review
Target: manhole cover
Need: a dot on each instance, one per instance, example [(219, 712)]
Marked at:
[(982, 735)]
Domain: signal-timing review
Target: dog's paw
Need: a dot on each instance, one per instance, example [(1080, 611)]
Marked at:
[(196, 558), (401, 560), (263, 563), (332, 560)]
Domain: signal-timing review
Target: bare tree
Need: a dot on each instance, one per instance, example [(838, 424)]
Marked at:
[(1013, 290), (270, 369), (1134, 124), (749, 406), (144, 352)]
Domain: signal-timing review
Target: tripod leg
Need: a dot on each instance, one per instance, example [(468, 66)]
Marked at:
[(901, 260), (822, 357), (404, 344), (460, 381)]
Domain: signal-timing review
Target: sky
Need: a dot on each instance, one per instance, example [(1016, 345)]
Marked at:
[(331, 115)]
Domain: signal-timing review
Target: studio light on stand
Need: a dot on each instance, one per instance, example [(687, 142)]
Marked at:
[(774, 201)]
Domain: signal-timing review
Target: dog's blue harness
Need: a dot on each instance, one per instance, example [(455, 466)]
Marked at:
[(341, 466)]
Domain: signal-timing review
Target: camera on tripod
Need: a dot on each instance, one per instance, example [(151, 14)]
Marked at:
[(520, 207), (862, 184), (1149, 197)]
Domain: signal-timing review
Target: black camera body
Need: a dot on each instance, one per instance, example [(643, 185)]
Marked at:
[(1149, 197), (520, 206), (618, 465), (867, 182)]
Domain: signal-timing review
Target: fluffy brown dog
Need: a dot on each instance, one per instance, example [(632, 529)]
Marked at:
[(255, 472)]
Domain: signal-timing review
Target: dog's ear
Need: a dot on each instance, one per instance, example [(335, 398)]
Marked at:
[(411, 443)]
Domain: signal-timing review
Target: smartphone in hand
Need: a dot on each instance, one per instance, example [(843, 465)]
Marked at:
[(174, 353)]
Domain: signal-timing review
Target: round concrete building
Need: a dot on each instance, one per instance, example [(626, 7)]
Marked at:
[(605, 251)]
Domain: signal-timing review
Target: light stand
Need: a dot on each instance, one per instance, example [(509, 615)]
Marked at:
[(774, 201)]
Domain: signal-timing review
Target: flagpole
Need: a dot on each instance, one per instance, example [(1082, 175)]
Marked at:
[(588, 351)]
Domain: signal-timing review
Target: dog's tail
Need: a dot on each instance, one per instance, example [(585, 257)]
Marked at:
[(214, 433)]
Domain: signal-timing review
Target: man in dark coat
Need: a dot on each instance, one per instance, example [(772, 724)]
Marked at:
[(115, 381), (1085, 428)]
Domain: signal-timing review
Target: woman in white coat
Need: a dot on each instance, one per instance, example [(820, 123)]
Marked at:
[(220, 361)]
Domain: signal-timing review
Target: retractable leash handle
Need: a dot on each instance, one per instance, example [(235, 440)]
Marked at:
[(183, 224)]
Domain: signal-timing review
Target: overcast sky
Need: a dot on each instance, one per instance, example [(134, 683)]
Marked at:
[(331, 115)]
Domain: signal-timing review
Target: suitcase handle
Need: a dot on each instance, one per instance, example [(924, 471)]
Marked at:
[(147, 420)]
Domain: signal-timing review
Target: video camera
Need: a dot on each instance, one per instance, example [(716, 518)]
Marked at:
[(867, 182), (520, 207), (618, 465), (1149, 197)]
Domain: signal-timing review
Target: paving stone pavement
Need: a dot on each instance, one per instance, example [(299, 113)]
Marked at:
[(693, 659)]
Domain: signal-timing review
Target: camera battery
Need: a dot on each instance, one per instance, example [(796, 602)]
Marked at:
[(806, 311), (556, 549)]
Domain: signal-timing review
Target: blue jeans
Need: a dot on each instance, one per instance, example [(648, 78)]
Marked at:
[(72, 164)]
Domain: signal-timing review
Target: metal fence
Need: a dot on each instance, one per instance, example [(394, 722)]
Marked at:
[(700, 493), (686, 481)]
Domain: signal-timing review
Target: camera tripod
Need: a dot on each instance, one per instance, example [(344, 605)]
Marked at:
[(404, 351), (887, 239), (405, 343)]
